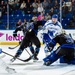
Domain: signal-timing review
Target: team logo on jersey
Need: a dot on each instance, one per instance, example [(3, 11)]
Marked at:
[(1, 34)]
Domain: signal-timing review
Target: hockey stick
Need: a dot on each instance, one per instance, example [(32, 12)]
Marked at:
[(13, 47), (26, 60), (18, 45), (27, 51)]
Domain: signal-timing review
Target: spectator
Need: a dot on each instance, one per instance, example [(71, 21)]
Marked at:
[(0, 13), (65, 10), (19, 23), (50, 4), (11, 4), (40, 7), (73, 7), (47, 16), (17, 5), (51, 11), (71, 25), (25, 22), (45, 4), (17, 1), (34, 18), (70, 8), (56, 4), (35, 6), (40, 17), (73, 2), (23, 6), (56, 10), (68, 3), (29, 7), (39, 3), (3, 8)]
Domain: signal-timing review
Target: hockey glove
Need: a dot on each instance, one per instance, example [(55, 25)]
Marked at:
[(14, 34)]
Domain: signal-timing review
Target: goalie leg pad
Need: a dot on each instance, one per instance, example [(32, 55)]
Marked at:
[(52, 57), (71, 62)]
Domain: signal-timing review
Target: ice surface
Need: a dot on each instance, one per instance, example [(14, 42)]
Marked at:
[(35, 68)]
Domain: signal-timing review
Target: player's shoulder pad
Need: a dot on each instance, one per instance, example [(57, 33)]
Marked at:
[(59, 24), (48, 22)]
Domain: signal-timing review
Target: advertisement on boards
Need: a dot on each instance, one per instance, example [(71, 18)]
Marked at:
[(7, 35)]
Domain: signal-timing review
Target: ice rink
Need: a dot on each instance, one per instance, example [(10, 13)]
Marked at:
[(34, 68)]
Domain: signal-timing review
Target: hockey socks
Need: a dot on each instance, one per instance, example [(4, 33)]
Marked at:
[(31, 49)]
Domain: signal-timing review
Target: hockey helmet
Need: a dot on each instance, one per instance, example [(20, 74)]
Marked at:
[(55, 16)]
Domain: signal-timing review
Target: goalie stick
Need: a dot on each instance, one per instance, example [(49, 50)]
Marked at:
[(26, 60)]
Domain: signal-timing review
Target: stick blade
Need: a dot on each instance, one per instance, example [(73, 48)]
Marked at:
[(28, 59), (10, 48)]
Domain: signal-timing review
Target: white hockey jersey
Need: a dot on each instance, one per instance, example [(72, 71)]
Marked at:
[(52, 29)]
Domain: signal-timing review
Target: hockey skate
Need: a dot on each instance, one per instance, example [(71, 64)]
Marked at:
[(35, 59), (10, 70)]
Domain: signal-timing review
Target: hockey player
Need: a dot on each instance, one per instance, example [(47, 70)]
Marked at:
[(54, 35), (22, 28), (30, 37), (51, 29), (4, 65)]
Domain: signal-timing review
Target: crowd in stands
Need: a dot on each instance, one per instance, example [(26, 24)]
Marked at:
[(24, 10)]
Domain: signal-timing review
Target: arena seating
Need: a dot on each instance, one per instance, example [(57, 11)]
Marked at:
[(18, 14)]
